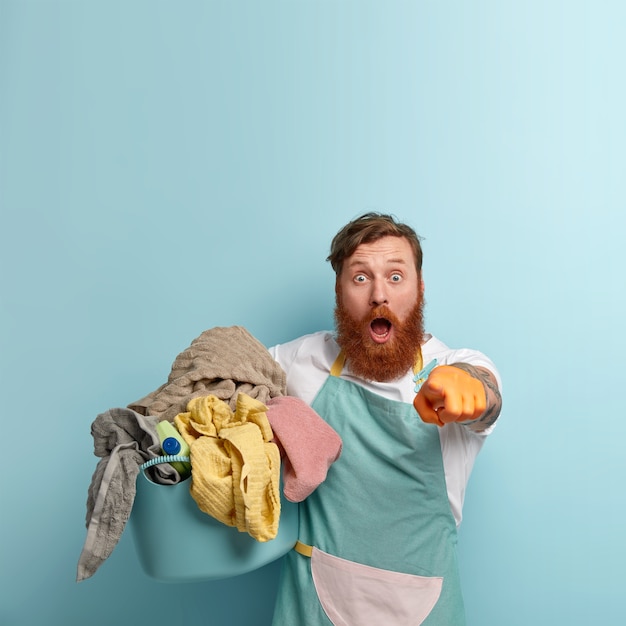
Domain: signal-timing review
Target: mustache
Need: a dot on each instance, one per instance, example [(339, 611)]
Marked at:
[(381, 312)]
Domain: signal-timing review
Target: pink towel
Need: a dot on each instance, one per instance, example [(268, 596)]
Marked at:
[(309, 444)]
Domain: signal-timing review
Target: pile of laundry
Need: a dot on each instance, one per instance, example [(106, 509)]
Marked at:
[(226, 396)]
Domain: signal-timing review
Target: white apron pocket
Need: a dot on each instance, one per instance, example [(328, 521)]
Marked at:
[(352, 594)]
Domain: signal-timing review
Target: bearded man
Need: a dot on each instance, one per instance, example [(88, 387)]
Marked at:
[(377, 539)]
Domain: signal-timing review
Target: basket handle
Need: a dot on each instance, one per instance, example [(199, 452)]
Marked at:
[(168, 458)]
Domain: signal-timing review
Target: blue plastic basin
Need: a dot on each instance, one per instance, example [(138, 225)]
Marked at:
[(177, 542)]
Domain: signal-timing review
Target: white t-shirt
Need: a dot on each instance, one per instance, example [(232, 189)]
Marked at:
[(307, 362)]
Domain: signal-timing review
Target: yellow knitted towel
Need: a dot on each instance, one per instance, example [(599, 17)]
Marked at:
[(235, 474)]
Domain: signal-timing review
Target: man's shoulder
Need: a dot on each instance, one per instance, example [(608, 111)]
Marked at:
[(312, 345), (433, 348), (319, 338)]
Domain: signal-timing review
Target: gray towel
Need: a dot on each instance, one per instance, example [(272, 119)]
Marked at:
[(223, 362), (124, 440)]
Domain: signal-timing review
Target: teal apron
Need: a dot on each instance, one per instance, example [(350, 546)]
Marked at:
[(382, 533)]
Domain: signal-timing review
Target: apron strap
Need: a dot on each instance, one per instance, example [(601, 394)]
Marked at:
[(340, 361), (303, 549), (337, 366)]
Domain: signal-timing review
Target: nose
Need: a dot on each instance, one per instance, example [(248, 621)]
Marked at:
[(378, 294)]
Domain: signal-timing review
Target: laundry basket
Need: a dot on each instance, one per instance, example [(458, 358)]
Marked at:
[(176, 542)]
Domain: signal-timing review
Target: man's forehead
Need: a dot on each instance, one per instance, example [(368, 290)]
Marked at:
[(387, 250)]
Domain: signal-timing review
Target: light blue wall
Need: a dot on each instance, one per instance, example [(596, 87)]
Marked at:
[(167, 167)]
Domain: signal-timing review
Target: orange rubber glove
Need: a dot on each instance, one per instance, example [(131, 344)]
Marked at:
[(450, 394)]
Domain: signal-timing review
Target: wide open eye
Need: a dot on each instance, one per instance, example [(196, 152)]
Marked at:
[(396, 278), (359, 278)]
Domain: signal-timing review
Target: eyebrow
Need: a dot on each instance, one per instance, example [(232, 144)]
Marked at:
[(357, 263)]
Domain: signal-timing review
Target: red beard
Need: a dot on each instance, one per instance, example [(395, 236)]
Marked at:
[(380, 361)]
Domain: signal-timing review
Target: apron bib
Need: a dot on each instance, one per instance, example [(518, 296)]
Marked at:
[(382, 533)]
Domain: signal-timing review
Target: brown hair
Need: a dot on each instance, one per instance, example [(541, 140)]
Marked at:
[(368, 228)]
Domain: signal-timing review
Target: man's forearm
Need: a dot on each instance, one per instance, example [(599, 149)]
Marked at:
[(492, 393)]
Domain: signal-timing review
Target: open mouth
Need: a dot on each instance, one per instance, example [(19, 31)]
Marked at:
[(380, 329)]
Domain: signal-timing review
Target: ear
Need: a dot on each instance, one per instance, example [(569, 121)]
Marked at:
[(421, 285)]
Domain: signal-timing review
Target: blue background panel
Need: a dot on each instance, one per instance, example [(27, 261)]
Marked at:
[(170, 167)]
